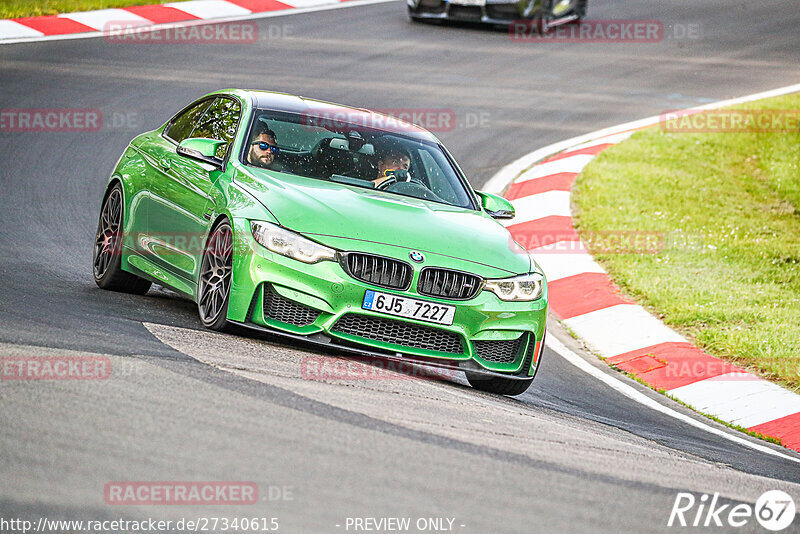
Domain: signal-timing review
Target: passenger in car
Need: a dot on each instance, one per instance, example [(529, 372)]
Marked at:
[(263, 148)]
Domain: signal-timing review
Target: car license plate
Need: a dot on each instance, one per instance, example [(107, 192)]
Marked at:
[(412, 308)]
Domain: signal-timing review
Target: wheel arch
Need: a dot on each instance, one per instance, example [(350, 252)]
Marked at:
[(218, 219), (127, 193), (115, 179)]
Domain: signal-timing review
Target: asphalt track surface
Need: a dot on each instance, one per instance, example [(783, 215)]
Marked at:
[(570, 455)]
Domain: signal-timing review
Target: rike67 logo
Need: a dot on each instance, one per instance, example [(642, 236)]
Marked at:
[(774, 510)]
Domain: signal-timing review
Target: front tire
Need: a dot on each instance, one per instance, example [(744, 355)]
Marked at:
[(415, 19), (507, 386), (214, 284), (107, 257), (545, 18), (499, 385), (581, 8)]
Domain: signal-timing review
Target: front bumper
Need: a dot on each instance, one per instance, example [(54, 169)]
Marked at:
[(490, 13), (322, 303)]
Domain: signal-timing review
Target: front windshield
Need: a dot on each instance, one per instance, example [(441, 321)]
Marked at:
[(354, 155)]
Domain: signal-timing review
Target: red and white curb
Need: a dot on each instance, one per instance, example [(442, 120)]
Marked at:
[(153, 17), (588, 302)]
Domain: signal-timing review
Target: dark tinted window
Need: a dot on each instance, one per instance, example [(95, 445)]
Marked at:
[(181, 128), (219, 122)]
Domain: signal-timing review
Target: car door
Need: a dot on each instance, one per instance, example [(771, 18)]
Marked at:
[(156, 151), (182, 206)]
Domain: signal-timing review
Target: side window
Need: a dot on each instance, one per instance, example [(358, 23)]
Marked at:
[(181, 128), (219, 122)]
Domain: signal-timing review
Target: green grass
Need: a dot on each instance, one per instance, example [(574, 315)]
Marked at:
[(727, 204), (33, 8)]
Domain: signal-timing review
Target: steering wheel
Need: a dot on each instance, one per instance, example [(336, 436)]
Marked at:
[(386, 184), (392, 178), (411, 188)]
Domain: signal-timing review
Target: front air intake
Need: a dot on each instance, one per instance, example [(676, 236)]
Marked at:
[(279, 308), (505, 351)]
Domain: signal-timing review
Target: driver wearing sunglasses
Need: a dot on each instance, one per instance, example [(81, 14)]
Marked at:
[(263, 148)]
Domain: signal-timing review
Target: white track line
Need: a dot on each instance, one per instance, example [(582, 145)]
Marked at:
[(17, 30), (739, 398), (621, 328), (569, 164), (609, 140), (209, 9), (559, 264), (305, 3), (539, 206), (628, 391), (100, 19)]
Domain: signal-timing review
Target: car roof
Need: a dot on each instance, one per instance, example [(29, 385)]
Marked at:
[(327, 110)]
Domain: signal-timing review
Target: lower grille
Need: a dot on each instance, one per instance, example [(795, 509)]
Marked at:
[(431, 6), (502, 11), (465, 12), (279, 308), (378, 270), (498, 351), (399, 333)]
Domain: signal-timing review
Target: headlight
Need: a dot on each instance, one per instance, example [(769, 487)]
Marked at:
[(525, 287), (290, 244)]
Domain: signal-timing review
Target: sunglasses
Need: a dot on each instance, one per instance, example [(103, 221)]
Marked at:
[(266, 146)]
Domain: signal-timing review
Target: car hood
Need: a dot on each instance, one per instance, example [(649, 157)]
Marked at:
[(321, 209)]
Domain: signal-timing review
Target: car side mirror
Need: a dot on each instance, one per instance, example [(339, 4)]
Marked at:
[(201, 149), (496, 206)]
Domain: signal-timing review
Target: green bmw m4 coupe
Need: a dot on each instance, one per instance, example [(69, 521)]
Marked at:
[(326, 223)]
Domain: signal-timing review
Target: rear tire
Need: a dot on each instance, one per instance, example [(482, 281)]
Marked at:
[(107, 257)]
